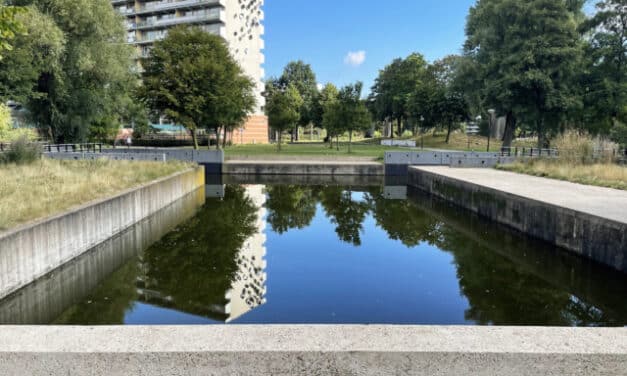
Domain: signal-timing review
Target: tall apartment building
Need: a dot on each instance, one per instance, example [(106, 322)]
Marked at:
[(239, 22)]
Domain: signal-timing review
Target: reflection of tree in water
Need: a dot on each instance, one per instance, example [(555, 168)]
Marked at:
[(190, 269), (196, 264), (108, 304), (402, 220), (290, 207), (346, 213)]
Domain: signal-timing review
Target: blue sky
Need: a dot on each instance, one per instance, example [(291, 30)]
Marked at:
[(323, 32)]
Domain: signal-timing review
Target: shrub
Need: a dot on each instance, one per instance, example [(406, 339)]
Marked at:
[(377, 134), (22, 151), (407, 134)]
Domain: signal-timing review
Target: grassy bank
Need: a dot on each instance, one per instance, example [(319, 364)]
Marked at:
[(603, 175), (46, 187)]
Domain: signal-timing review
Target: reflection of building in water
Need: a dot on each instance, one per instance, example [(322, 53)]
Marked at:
[(248, 290), (222, 299)]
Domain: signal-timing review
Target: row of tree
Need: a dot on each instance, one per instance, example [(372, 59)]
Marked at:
[(68, 64), (294, 101), (542, 64)]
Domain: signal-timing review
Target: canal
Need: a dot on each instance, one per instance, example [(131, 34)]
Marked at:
[(349, 253)]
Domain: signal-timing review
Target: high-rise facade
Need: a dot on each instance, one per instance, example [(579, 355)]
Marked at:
[(239, 22)]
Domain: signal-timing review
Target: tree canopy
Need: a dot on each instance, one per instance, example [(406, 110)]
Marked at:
[(72, 68), (527, 53), (191, 78), (283, 109), (348, 113)]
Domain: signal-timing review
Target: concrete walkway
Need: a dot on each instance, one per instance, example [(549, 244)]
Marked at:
[(598, 201), (312, 350)]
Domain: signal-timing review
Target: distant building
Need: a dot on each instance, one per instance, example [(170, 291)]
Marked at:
[(239, 22)]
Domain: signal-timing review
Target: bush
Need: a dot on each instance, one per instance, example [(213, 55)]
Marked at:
[(22, 151), (407, 134), (377, 134)]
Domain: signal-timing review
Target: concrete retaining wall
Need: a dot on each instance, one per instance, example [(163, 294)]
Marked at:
[(302, 168), (113, 156), (311, 350), (397, 162), (599, 239), (212, 160), (31, 251)]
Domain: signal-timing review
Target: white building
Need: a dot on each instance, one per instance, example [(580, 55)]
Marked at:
[(239, 22)]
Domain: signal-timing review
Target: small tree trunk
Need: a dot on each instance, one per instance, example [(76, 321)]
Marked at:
[(194, 139), (448, 133), (337, 142), (278, 140), (400, 126), (350, 140), (217, 138), (224, 139), (510, 129)]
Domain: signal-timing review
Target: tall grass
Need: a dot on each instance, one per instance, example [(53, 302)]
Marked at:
[(47, 187), (22, 151), (582, 159)]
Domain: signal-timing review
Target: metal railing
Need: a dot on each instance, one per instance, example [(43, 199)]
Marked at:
[(528, 152), (73, 148)]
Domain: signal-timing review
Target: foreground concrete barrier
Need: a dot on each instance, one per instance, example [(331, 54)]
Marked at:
[(31, 251), (312, 350)]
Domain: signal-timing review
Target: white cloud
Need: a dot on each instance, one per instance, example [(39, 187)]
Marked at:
[(355, 59)]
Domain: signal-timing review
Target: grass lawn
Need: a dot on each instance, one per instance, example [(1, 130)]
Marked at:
[(458, 141), (47, 187), (603, 175), (375, 152)]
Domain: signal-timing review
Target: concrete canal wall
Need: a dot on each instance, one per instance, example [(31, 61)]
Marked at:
[(31, 251), (589, 221), (312, 350), (330, 168)]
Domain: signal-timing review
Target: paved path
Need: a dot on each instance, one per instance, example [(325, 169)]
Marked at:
[(598, 201)]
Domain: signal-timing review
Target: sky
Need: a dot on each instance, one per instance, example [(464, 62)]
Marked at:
[(350, 40)]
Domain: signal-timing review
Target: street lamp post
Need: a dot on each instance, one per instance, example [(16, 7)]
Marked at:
[(491, 112), (422, 133)]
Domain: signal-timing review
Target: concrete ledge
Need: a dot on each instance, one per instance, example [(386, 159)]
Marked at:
[(312, 350), (582, 219), (32, 250), (302, 168)]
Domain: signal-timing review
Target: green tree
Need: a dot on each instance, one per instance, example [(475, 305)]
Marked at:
[(349, 113), (191, 77), (10, 26), (527, 53), (394, 86), (605, 80), (81, 66), (302, 77), (324, 99), (283, 109)]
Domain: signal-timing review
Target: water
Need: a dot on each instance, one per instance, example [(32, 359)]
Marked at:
[(322, 254)]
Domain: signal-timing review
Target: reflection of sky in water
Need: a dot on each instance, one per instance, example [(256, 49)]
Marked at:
[(312, 277)]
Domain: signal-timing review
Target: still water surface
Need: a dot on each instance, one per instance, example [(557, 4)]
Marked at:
[(322, 254)]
